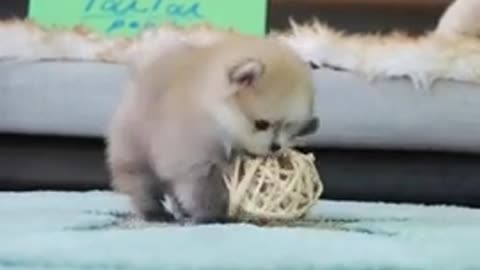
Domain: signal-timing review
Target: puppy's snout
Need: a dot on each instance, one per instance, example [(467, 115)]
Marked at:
[(274, 147)]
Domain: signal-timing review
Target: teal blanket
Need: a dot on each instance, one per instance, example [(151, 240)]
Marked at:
[(96, 230)]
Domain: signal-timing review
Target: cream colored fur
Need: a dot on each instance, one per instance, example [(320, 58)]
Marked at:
[(24, 40)]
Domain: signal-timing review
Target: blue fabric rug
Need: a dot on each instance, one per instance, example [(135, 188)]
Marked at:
[(96, 230)]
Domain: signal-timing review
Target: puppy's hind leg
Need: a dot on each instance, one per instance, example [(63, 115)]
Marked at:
[(143, 190)]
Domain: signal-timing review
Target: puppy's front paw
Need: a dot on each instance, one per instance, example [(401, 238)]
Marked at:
[(158, 216), (154, 210), (203, 196)]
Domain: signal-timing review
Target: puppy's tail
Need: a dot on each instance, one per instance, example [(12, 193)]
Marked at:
[(461, 18)]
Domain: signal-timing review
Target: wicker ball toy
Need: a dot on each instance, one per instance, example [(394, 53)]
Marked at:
[(273, 189)]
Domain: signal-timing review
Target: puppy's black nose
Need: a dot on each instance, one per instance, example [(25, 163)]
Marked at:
[(274, 147)]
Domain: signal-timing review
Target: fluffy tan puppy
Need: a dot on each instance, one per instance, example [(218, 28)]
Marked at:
[(188, 111)]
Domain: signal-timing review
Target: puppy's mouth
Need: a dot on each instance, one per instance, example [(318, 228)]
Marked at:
[(266, 155), (250, 154), (241, 151)]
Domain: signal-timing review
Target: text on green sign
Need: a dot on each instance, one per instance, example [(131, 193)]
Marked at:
[(124, 14)]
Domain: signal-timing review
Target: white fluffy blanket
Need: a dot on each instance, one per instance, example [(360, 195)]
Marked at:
[(423, 60)]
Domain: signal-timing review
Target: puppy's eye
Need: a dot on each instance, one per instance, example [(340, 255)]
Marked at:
[(262, 125)]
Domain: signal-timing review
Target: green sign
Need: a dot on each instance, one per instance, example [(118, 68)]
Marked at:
[(128, 17)]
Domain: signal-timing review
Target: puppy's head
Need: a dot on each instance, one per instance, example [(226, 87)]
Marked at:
[(269, 100)]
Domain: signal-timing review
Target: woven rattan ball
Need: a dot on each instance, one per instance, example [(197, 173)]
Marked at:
[(272, 189)]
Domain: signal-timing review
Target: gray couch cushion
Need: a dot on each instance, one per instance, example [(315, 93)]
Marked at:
[(67, 98), (393, 114), (77, 98)]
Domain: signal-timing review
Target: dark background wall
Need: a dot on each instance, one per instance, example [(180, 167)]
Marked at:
[(412, 16), (13, 8)]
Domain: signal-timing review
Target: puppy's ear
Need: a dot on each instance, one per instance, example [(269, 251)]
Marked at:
[(309, 127), (246, 73)]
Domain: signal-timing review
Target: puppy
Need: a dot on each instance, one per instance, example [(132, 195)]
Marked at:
[(186, 113)]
